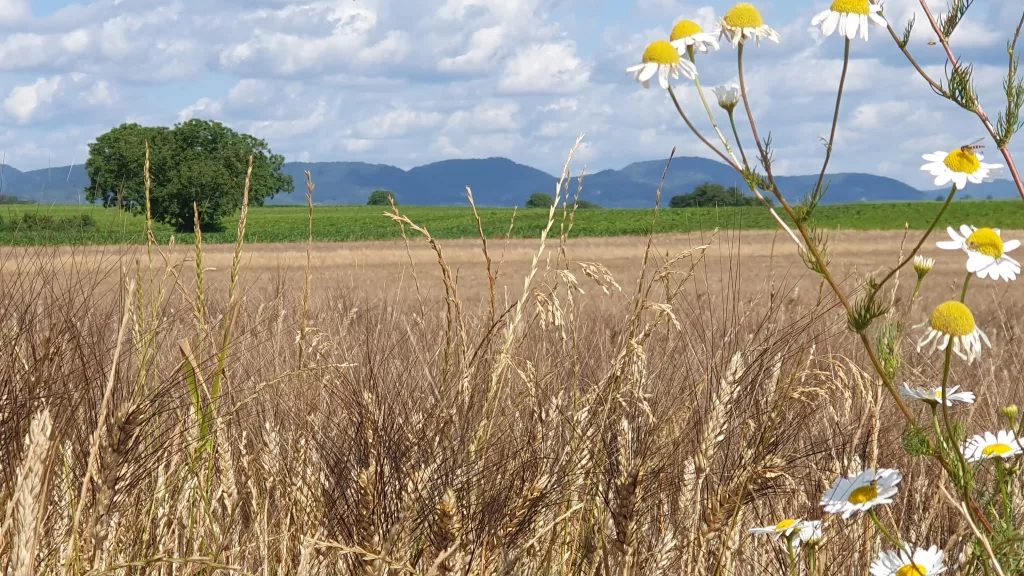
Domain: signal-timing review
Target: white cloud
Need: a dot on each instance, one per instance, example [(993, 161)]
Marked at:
[(25, 51), (545, 68), (490, 115), (250, 92), (399, 122), (483, 45), (204, 108), (273, 48), (358, 144), (15, 11), (58, 95)]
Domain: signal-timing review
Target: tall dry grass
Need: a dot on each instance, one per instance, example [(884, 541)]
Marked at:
[(585, 425)]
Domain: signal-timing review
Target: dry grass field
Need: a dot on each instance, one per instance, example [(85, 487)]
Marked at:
[(159, 416)]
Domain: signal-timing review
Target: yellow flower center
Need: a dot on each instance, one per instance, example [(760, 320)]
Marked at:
[(784, 525), (685, 29), (744, 15), (852, 6), (661, 52), (953, 318), (987, 242), (965, 161), (911, 570), (998, 449), (863, 494)]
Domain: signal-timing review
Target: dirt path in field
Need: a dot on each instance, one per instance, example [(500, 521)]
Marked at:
[(382, 268)]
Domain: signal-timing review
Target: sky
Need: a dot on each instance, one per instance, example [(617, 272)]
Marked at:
[(408, 82)]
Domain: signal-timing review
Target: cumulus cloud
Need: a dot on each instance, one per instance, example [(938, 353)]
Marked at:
[(398, 123), (57, 95), (14, 11), (551, 67)]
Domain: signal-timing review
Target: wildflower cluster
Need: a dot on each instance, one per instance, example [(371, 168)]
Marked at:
[(951, 329)]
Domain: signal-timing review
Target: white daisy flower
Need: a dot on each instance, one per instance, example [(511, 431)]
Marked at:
[(790, 528), (1001, 445), (810, 532), (934, 395), (743, 22), (899, 563), (986, 252), (960, 166), (849, 16), (923, 265), (953, 321), (862, 492), (662, 58), (728, 96), (688, 33)]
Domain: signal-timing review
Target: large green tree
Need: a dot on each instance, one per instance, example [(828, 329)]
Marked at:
[(197, 161)]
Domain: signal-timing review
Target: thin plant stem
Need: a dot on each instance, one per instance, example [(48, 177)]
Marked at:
[(812, 556), (813, 251), (963, 293), (711, 116), (792, 556), (885, 531), (682, 114), (924, 237), (739, 143), (945, 382), (734, 166), (1001, 478), (917, 290), (835, 117)]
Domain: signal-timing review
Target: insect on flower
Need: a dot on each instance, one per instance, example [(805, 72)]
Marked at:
[(973, 146)]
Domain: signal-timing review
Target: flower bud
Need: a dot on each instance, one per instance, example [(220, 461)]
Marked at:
[(1011, 412), (923, 265), (728, 96)]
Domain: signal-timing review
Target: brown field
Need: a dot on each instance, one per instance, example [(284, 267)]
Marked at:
[(413, 429)]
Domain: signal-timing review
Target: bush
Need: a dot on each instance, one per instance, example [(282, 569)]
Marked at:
[(540, 200), (710, 194), (39, 221), (584, 204), (381, 198)]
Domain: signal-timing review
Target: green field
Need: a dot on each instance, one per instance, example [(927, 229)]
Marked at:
[(77, 225)]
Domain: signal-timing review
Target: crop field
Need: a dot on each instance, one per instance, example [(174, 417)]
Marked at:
[(78, 225), (637, 403)]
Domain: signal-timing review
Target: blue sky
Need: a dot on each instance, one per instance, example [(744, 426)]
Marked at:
[(409, 82)]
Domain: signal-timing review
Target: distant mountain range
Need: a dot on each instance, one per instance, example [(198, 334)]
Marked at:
[(502, 182)]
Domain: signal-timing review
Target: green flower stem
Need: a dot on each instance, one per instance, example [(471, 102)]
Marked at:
[(736, 134), (963, 293), (1001, 477), (679, 108), (939, 436), (835, 118), (690, 52), (813, 251), (917, 290), (734, 166), (885, 531), (945, 409), (811, 558), (792, 556)]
